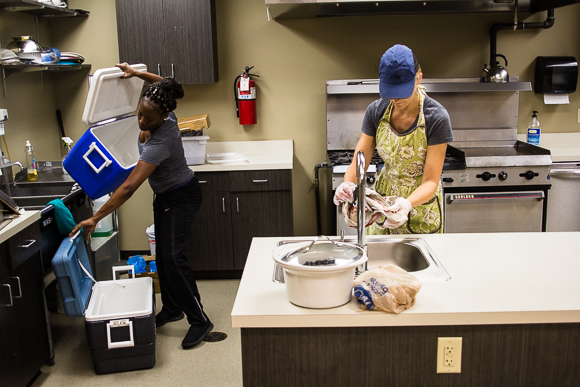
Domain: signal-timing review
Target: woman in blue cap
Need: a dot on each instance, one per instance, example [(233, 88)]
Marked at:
[(410, 131)]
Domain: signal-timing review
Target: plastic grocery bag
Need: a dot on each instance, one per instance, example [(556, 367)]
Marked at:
[(387, 288), (138, 262)]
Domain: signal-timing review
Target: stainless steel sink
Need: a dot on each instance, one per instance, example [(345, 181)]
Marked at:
[(52, 184), (411, 254)]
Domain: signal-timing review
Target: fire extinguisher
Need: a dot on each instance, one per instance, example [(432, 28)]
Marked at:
[(245, 95)]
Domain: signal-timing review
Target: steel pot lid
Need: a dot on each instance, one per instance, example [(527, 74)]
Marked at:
[(323, 254)]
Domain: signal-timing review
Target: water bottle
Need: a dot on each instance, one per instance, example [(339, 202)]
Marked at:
[(30, 162), (534, 130)]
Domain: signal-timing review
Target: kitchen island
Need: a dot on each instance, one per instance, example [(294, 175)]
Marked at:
[(514, 298)]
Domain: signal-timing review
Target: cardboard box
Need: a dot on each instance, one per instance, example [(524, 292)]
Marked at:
[(198, 122), (154, 275)]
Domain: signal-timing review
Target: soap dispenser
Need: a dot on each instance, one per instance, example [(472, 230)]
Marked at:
[(534, 130), (31, 167)]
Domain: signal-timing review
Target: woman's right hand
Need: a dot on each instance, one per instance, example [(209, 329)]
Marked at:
[(128, 71), (344, 193), (87, 225)]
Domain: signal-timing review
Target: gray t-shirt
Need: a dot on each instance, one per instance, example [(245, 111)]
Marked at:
[(165, 149), (437, 122)]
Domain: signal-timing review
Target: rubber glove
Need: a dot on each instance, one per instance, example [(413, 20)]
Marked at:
[(344, 193), (398, 213)]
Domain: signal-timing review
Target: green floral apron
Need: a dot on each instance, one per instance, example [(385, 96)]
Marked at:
[(404, 156)]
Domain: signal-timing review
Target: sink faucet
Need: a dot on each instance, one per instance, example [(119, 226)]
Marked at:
[(360, 218), (360, 183), (19, 165)]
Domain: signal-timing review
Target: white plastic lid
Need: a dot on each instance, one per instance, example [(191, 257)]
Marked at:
[(111, 96)]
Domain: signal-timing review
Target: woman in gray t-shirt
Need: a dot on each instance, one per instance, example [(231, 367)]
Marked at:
[(177, 196)]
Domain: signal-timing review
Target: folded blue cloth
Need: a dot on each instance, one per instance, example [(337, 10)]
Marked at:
[(63, 217)]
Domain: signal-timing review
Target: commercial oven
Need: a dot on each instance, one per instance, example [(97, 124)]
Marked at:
[(491, 181)]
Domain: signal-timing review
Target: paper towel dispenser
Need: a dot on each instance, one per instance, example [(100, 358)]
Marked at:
[(556, 75)]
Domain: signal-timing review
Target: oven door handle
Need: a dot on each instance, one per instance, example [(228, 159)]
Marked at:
[(564, 172), (466, 198)]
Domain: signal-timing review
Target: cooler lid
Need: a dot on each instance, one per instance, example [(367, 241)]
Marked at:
[(75, 284), (111, 96)]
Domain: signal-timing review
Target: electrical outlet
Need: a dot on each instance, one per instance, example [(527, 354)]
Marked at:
[(449, 355)]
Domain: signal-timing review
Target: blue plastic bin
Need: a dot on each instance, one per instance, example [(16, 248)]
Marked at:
[(104, 156)]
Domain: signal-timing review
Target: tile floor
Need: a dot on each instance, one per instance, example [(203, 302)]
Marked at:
[(209, 364)]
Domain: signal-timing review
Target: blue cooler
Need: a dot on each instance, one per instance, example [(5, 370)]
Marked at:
[(106, 154), (119, 314)]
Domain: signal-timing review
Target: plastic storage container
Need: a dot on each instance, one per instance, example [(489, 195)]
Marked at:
[(106, 154), (119, 314), (105, 226), (194, 147)]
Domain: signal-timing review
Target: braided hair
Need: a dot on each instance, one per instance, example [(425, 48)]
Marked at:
[(164, 93)]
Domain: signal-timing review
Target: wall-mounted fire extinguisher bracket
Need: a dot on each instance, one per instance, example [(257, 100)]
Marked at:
[(245, 95)]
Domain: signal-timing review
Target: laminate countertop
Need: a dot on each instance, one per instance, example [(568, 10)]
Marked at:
[(19, 223), (496, 278), (257, 155), (563, 146)]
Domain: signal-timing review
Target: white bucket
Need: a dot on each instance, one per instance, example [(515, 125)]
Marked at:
[(104, 227), (150, 231)]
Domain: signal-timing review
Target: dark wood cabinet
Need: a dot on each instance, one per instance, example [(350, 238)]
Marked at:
[(172, 37), (238, 206), (24, 330)]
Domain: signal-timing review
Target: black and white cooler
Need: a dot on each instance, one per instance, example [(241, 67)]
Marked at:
[(119, 314)]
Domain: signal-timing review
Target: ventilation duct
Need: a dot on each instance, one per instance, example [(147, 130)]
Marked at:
[(295, 9)]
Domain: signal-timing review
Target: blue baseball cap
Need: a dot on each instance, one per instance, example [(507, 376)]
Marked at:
[(397, 72)]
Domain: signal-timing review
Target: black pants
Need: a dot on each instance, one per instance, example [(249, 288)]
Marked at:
[(174, 212)]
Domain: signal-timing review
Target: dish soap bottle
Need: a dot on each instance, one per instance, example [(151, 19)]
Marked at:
[(67, 142), (534, 130), (30, 162)]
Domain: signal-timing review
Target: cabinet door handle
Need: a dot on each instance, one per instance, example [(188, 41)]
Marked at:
[(19, 288), (172, 71), (10, 294), (237, 205), (158, 69), (202, 181), (260, 181), (223, 204), (31, 242)]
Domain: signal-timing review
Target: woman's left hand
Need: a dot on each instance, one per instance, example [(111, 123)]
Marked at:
[(88, 225), (128, 71), (401, 207)]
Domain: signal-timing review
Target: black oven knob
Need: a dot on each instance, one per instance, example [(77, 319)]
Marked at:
[(529, 175), (502, 176), (448, 180), (371, 180), (485, 176)]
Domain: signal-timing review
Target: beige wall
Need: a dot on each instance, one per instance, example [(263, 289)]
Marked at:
[(293, 58)]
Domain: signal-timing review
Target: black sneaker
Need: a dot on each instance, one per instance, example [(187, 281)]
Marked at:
[(196, 334), (163, 318)]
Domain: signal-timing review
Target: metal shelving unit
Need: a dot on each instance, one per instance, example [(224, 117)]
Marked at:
[(40, 9)]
